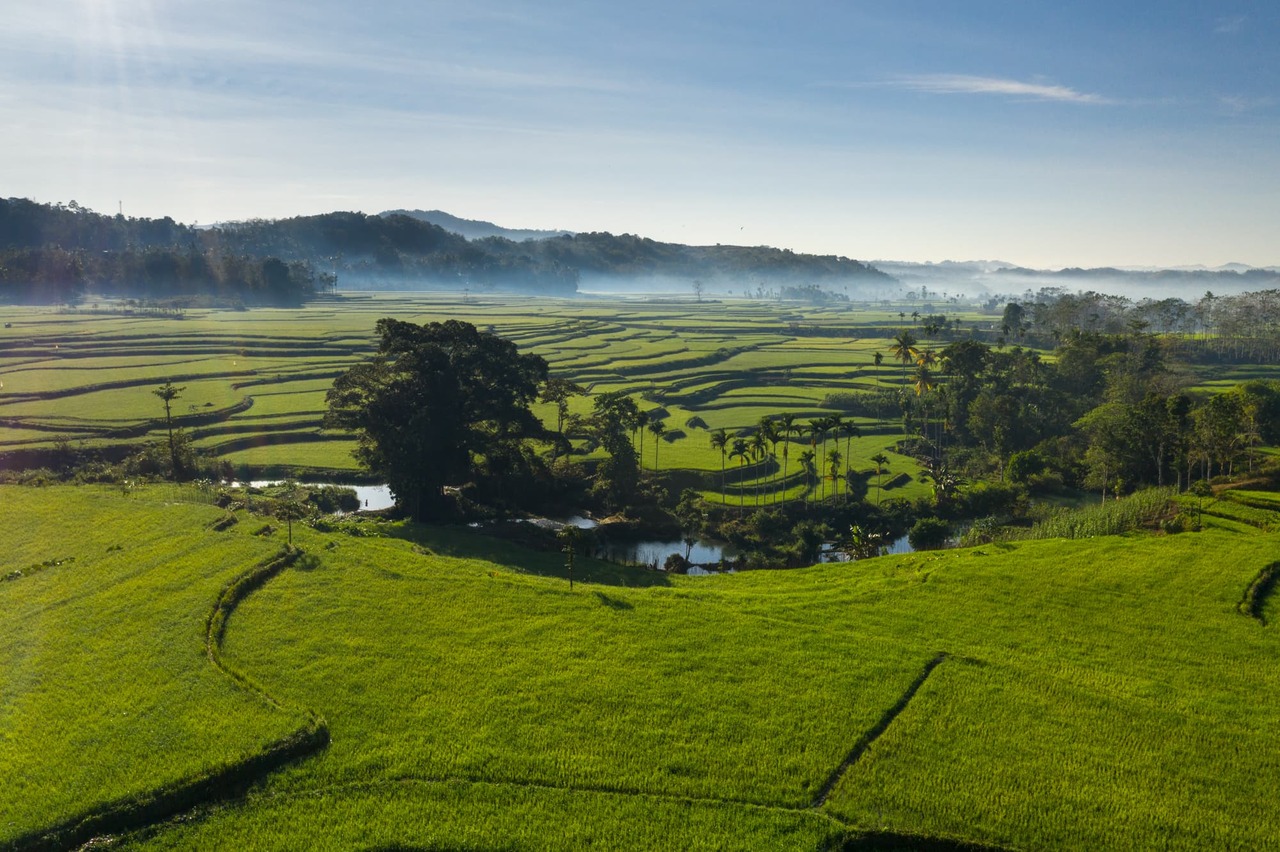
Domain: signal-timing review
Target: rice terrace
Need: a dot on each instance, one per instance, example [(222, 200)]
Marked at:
[(193, 663)]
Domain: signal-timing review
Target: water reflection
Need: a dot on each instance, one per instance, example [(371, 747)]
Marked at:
[(372, 497)]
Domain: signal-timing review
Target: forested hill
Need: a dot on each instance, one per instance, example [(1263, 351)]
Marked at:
[(54, 253), (475, 229)]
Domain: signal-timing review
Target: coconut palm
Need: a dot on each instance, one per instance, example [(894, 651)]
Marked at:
[(720, 441), (924, 380), (904, 350)]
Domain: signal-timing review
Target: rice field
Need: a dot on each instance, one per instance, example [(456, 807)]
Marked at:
[(254, 381), (1107, 692)]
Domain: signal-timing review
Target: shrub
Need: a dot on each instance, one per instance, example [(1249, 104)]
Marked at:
[(928, 534), (334, 498), (992, 498)]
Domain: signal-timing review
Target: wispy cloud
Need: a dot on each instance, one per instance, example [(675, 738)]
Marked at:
[(965, 84), (1240, 104), (1229, 25)]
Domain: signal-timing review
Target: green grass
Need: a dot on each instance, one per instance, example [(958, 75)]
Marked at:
[(108, 693), (1098, 693)]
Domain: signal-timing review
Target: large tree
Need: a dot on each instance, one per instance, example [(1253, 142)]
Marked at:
[(433, 403)]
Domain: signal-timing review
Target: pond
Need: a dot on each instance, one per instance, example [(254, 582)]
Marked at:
[(646, 552), (371, 496)]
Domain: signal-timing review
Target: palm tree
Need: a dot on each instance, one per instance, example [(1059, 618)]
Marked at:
[(740, 452), (850, 431), (835, 423), (638, 422), (658, 428), (817, 433), (904, 350), (924, 380), (881, 460), (806, 461), (757, 443), (834, 457), (924, 384), (769, 432), (786, 428), (720, 441)]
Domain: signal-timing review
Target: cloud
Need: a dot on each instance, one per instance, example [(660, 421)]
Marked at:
[(965, 84), (1229, 25), (1241, 104)]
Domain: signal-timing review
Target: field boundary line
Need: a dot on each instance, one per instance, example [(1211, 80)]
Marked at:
[(215, 783), (1257, 592), (865, 741), (855, 839)]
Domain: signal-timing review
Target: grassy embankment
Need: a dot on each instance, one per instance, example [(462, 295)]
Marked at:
[(1104, 693)]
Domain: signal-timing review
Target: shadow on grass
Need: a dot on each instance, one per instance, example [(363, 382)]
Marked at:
[(884, 841), (466, 543)]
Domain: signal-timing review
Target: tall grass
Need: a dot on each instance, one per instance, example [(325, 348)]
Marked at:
[(1113, 517)]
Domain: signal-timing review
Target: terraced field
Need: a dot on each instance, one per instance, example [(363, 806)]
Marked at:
[(433, 689), (255, 381)]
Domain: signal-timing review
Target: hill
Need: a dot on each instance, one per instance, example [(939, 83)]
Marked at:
[(475, 229), (58, 253)]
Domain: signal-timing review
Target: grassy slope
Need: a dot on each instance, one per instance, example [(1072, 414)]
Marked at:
[(1098, 694), (107, 689)]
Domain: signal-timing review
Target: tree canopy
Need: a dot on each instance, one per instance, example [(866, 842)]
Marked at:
[(433, 403)]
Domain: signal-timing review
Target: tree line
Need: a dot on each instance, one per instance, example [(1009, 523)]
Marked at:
[(1110, 412), (1243, 327)]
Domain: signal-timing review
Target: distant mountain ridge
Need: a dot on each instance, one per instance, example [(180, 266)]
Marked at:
[(56, 253), (475, 229)]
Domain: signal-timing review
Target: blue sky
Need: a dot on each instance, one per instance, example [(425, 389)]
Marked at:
[(1044, 134)]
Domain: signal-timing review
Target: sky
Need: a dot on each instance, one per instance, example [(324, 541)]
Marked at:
[(1045, 134)]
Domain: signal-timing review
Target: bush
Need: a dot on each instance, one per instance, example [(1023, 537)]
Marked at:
[(992, 498), (928, 534), (334, 498)]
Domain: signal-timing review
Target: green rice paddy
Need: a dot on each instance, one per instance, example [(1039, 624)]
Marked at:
[(431, 688), (255, 381), (1097, 693)]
